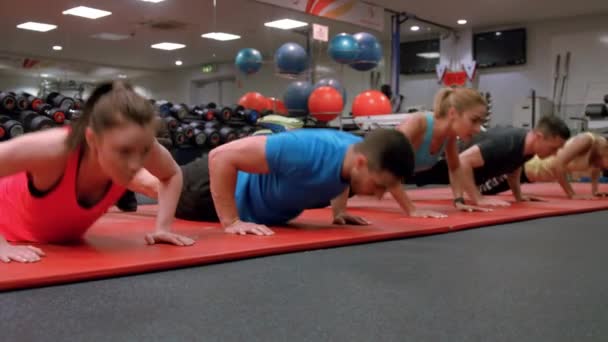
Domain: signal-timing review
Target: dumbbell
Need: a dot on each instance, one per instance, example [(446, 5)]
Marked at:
[(206, 114), (54, 113), (226, 114), (33, 102), (178, 138), (73, 114), (7, 101), (179, 111), (212, 133), (199, 138), (21, 101), (227, 134), (171, 122), (164, 108), (9, 128), (187, 130), (60, 101), (245, 131), (32, 121)]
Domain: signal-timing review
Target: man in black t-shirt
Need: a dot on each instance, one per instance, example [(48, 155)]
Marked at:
[(496, 155)]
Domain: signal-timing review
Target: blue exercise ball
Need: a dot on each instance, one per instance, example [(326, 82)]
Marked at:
[(296, 98), (291, 58), (248, 60), (370, 52), (343, 48), (334, 83)]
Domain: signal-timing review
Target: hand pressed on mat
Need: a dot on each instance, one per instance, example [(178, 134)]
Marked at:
[(427, 213), (470, 208), (530, 198), (493, 202), (24, 254), (345, 218), (170, 238), (242, 228)]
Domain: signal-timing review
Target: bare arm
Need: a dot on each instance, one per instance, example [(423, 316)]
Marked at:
[(145, 183), (161, 164), (338, 204), (454, 169), (470, 159), (578, 146), (247, 155), (514, 180), (402, 199), (595, 179)]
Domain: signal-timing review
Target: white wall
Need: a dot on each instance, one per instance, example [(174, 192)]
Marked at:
[(586, 37), (17, 84)]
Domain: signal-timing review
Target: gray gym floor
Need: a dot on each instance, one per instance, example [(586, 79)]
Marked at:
[(540, 280)]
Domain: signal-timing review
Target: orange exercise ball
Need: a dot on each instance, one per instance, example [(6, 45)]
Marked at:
[(325, 103), (255, 101), (371, 102), (277, 106)]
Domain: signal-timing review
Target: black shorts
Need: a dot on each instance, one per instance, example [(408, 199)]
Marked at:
[(439, 174), (195, 201)]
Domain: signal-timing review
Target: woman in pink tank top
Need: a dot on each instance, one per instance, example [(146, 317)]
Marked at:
[(55, 184)]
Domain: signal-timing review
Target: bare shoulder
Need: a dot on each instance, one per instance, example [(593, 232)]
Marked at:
[(41, 151), (413, 125)]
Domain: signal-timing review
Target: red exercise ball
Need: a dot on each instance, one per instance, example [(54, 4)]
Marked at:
[(277, 106), (371, 102), (255, 101), (325, 103)]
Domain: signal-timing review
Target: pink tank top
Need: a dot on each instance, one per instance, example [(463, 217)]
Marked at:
[(55, 217)]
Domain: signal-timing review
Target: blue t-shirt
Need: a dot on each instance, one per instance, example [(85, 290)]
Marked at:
[(305, 173)]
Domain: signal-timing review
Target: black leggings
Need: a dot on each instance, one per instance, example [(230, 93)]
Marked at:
[(439, 174), (195, 202)]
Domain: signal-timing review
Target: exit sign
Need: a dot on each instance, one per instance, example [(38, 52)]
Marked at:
[(207, 68)]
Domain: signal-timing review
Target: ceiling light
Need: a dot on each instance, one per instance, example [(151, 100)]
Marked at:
[(86, 12), (57, 47), (40, 27), (178, 63), (461, 21), (168, 46), (122, 76), (220, 36), (498, 33), (415, 28), (429, 55), (110, 36), (44, 75), (285, 24), (604, 39)]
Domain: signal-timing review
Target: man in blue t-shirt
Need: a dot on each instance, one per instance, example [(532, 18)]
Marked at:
[(257, 181)]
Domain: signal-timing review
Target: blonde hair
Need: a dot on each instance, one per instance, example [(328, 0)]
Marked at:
[(459, 98)]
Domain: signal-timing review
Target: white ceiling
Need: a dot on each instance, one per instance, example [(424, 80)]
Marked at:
[(83, 55)]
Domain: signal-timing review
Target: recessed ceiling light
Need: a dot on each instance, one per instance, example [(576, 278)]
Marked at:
[(415, 28), (86, 12), (285, 24), (498, 33), (220, 36), (44, 75), (110, 36), (429, 55), (168, 46), (461, 21), (122, 76), (40, 27), (57, 47), (178, 63)]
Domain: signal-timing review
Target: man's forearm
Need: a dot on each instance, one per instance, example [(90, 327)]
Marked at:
[(402, 199), (595, 180), (223, 183), (514, 180), (468, 183), (338, 204)]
